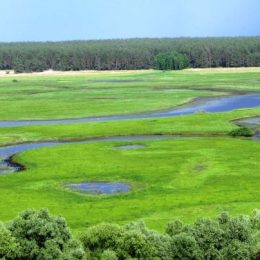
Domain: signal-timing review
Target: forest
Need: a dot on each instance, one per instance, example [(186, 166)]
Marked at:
[(128, 54)]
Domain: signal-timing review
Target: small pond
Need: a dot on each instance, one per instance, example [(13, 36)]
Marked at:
[(100, 187)]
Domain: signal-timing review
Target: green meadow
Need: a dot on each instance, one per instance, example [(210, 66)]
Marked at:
[(96, 94), (202, 173)]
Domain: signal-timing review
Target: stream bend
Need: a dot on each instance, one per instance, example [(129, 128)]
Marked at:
[(209, 104)]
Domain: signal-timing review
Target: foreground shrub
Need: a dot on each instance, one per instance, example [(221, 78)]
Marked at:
[(101, 238), (125, 242), (175, 227), (109, 255), (209, 236), (134, 244), (237, 251), (185, 246), (242, 131), (9, 248), (223, 238), (42, 236), (159, 245), (39, 236)]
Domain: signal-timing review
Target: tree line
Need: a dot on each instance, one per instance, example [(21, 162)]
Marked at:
[(37, 235), (128, 54)]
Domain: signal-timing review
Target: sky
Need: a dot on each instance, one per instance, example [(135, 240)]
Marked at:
[(57, 20)]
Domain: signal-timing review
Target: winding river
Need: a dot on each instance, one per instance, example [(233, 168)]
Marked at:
[(209, 104), (202, 104)]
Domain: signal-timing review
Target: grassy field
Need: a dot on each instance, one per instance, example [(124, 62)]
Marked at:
[(183, 178), (200, 124), (95, 94)]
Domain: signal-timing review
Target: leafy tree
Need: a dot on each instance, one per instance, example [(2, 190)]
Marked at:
[(42, 236), (160, 245), (216, 239), (131, 241), (208, 234), (171, 61), (174, 228), (185, 247), (101, 238), (238, 228), (209, 237), (109, 255), (134, 244), (237, 251), (9, 247), (222, 238)]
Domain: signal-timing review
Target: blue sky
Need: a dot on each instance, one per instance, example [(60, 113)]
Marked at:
[(53, 20)]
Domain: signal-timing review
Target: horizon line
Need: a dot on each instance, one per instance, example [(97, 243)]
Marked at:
[(132, 38)]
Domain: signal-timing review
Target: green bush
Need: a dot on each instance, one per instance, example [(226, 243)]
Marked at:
[(242, 131), (134, 244), (222, 238), (127, 242), (209, 236), (174, 228), (225, 237), (171, 61), (185, 246), (159, 244), (237, 251), (109, 255), (9, 247), (42, 236), (101, 238)]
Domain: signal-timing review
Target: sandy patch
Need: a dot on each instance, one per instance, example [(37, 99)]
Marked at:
[(3, 73), (64, 73)]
